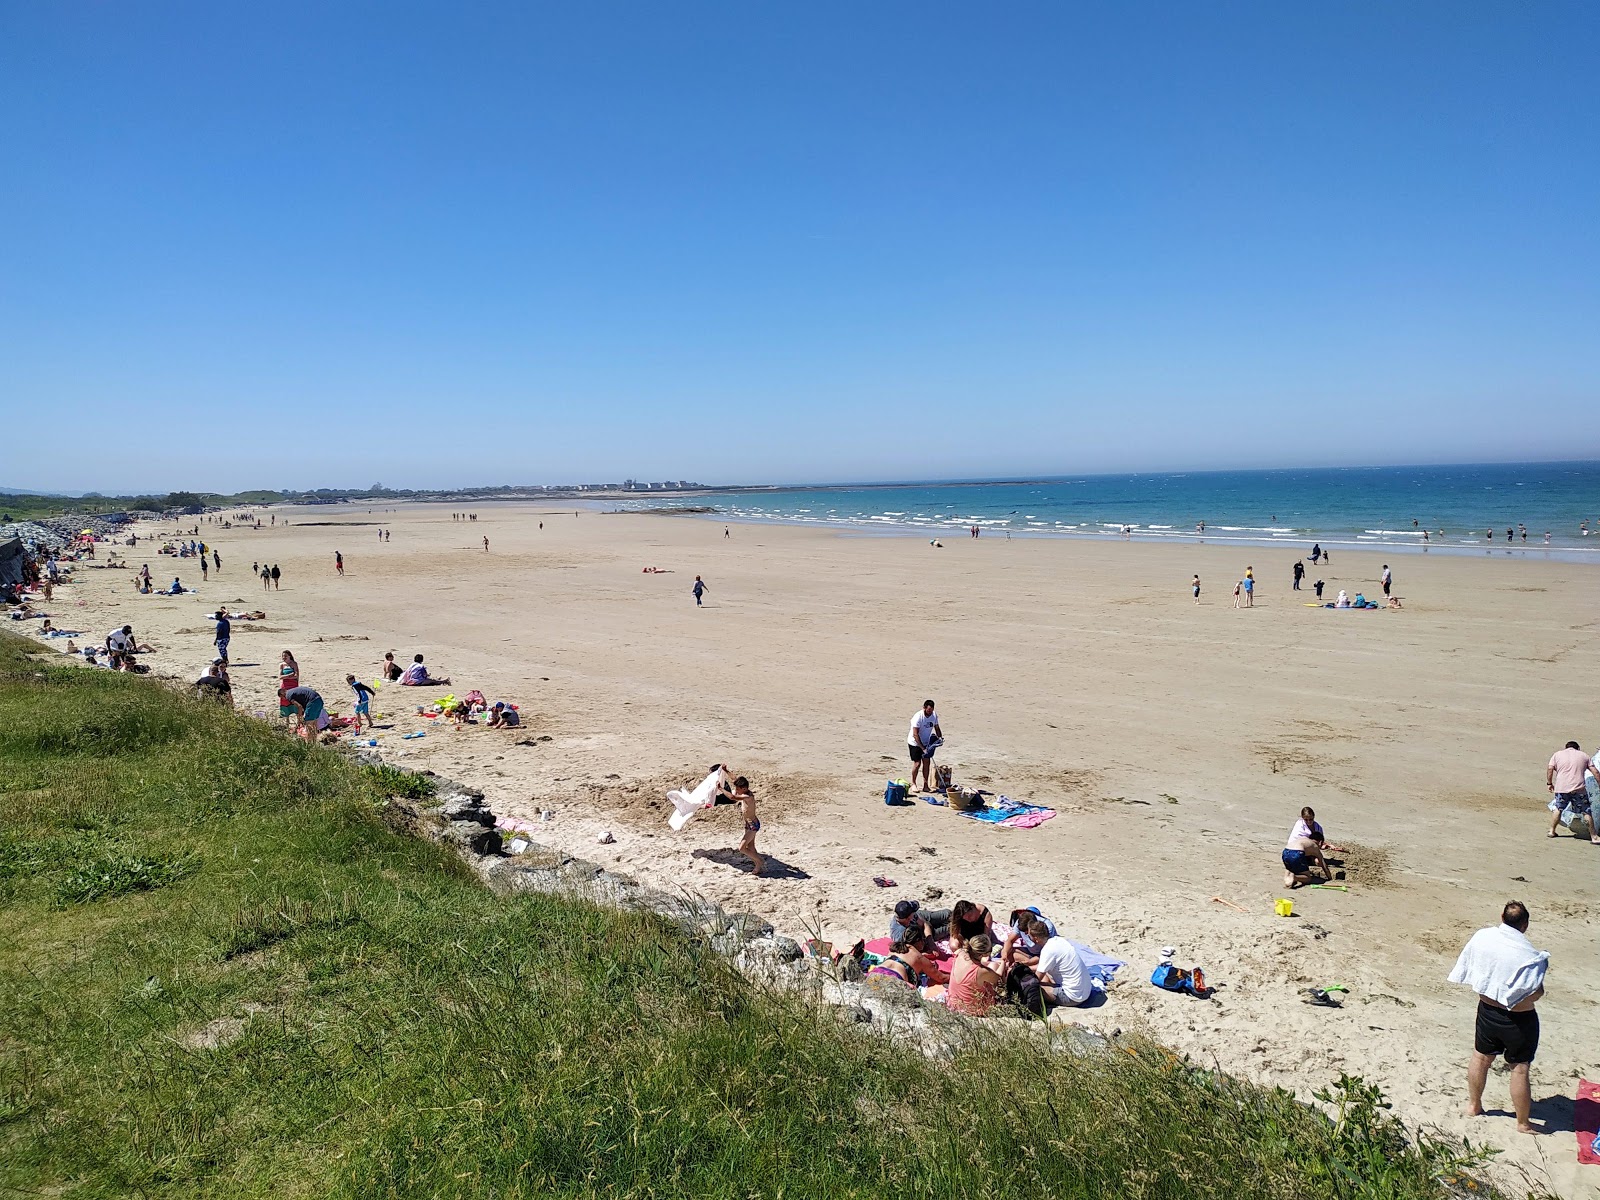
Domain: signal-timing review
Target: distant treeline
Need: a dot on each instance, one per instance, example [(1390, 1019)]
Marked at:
[(23, 506)]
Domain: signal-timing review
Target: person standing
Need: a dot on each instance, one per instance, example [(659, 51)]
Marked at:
[(1299, 573), (276, 575), (1196, 586), (922, 741), (1563, 777), (224, 632), (338, 562), (1238, 588), (1249, 585), (486, 545), (363, 701), (699, 591), (266, 578), (288, 680), (752, 824), (1502, 966), (1386, 579)]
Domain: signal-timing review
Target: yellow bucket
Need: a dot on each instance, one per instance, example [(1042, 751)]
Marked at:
[(1284, 908)]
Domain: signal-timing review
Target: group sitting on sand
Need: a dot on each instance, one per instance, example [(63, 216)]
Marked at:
[(1025, 963)]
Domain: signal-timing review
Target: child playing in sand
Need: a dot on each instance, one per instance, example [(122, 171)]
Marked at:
[(752, 824), (363, 701)]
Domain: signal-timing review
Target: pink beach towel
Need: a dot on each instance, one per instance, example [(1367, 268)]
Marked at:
[(1586, 1117), (1028, 819)]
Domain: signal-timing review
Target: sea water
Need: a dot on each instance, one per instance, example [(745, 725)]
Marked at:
[(1339, 507)]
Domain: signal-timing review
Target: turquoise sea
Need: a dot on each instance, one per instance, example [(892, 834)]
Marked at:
[(1338, 507)]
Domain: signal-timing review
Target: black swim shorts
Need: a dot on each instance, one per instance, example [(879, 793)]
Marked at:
[(1514, 1034), (916, 753)]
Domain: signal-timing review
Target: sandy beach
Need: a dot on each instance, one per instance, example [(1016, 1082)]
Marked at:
[(1176, 742)]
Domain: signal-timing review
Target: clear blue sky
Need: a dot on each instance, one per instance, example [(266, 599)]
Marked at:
[(323, 244)]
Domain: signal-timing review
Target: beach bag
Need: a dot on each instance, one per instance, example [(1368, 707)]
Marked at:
[(894, 792), (1176, 979), (1022, 989)]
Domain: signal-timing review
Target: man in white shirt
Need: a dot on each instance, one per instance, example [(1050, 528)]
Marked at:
[(923, 739), (1063, 978), (119, 644), (1502, 966)]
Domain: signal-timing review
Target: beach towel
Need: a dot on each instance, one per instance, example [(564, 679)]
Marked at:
[(1012, 814), (1502, 964), (1028, 820), (1586, 1119), (1102, 968), (687, 804)]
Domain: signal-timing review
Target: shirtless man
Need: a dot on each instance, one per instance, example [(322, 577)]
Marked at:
[(1300, 854), (752, 824)]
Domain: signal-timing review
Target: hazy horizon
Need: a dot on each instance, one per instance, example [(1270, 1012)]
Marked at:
[(712, 485)]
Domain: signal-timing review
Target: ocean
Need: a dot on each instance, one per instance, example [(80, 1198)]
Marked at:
[(1387, 507)]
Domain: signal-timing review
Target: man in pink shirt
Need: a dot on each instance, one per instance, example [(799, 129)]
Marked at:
[(1564, 777)]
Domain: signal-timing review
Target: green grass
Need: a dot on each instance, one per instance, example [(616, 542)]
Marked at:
[(275, 995)]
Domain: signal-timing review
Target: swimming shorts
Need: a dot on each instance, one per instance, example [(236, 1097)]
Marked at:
[(753, 826), (1578, 802), (916, 753), (362, 706), (314, 712), (1514, 1034), (1297, 862)]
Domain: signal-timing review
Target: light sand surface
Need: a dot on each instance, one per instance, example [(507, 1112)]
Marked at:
[(1177, 743)]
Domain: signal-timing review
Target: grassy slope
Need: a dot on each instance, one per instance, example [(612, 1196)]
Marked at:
[(419, 1037)]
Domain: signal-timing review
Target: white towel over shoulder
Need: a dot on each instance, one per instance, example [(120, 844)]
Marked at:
[(687, 804), (1502, 964)]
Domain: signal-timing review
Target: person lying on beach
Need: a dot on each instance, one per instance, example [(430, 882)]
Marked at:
[(1300, 855), (1394, 602), (416, 675), (503, 716), (973, 985), (1019, 946), (752, 824), (907, 962)]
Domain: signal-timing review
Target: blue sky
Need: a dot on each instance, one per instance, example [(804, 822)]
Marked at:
[(323, 244)]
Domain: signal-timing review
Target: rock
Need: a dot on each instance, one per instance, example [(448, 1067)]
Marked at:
[(465, 809), (606, 838), (748, 926), (475, 838), (787, 949), (850, 970)]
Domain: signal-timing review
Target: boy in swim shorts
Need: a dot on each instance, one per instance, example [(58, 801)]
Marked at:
[(363, 701), (752, 824)]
